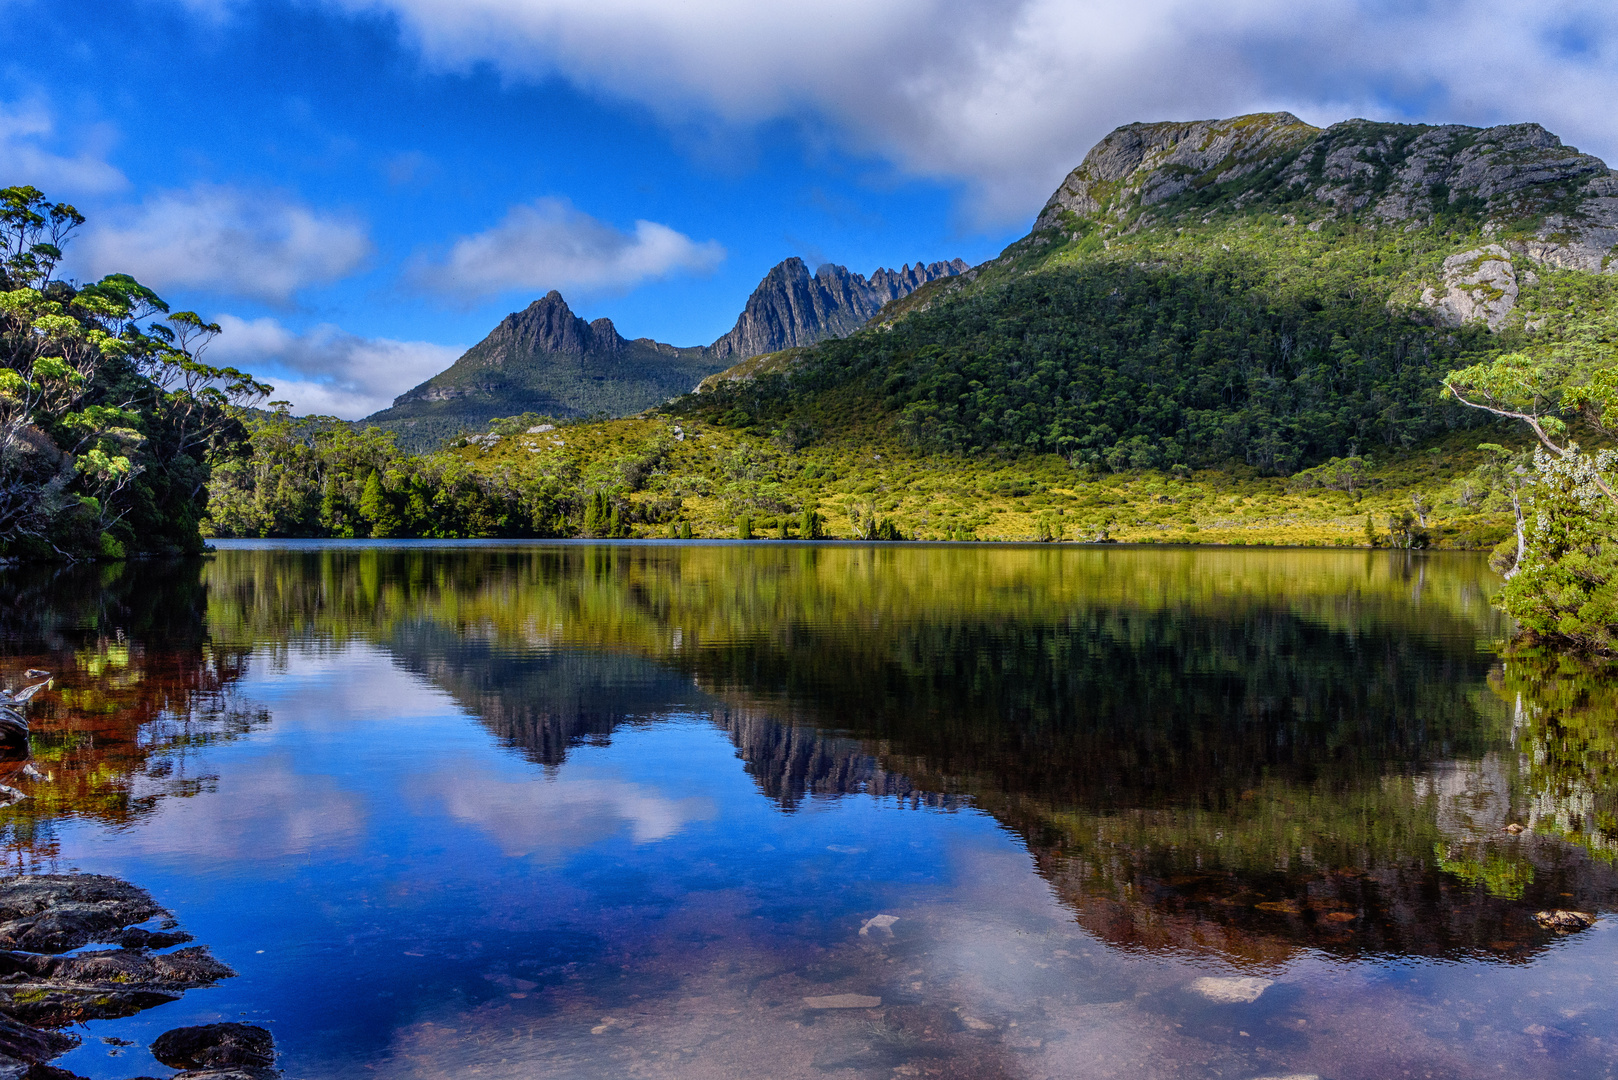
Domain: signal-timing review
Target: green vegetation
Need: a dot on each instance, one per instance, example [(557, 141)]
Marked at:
[(1240, 362), (107, 413), (1562, 571), (666, 476), (1248, 341)]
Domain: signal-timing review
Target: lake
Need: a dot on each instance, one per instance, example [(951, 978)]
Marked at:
[(790, 810)]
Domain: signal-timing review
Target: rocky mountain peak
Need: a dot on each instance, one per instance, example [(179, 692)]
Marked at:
[(1147, 164), (549, 325), (546, 359), (1513, 178), (791, 308)]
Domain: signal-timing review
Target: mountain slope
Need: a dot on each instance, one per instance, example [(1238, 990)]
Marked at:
[(545, 359), (1252, 288)]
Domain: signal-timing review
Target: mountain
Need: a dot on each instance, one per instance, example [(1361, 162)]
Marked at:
[(1561, 206), (790, 308), (545, 359), (1253, 289)]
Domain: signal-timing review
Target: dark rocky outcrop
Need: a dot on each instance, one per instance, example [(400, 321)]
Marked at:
[(22, 1042), (48, 915), (215, 1046), (54, 913), (59, 990)]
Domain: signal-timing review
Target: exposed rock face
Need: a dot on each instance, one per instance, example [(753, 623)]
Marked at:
[(1479, 286), (1389, 174), (547, 360), (791, 308), (1146, 164)]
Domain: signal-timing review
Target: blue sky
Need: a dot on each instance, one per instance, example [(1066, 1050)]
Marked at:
[(358, 189)]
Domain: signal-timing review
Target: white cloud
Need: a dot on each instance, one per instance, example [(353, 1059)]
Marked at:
[(550, 245), (224, 240), (326, 370), (27, 131), (1007, 95), (551, 816)]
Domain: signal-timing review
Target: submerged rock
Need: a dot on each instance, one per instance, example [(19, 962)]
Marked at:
[(843, 1001), (1565, 922), (883, 923), (27, 693), (215, 1046), (1230, 990)]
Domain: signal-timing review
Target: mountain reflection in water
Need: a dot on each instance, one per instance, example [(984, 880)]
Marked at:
[(1246, 759)]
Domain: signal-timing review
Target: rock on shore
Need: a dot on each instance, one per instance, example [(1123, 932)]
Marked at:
[(44, 916)]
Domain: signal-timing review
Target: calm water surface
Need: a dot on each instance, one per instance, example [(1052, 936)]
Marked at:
[(590, 811)]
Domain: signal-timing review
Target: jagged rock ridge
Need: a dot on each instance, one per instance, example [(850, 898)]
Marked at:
[(791, 308)]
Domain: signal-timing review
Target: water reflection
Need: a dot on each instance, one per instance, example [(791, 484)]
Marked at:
[(1243, 752), (139, 692), (1251, 760)]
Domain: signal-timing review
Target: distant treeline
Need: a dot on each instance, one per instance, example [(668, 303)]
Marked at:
[(321, 477)]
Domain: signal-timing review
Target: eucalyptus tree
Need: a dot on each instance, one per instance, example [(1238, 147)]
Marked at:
[(1563, 584), (106, 408)]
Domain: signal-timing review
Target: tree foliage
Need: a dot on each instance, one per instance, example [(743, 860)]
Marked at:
[(1562, 580), (107, 411), (1279, 355)]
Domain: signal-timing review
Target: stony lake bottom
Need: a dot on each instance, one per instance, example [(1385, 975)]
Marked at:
[(785, 810)]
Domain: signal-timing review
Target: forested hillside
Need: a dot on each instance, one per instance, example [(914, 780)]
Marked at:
[(1250, 290)]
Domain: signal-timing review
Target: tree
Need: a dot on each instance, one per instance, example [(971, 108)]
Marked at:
[(595, 514), (377, 508), (1540, 390), (107, 416), (1507, 475), (1563, 585)]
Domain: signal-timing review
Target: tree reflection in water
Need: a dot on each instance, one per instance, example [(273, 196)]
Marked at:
[(1244, 753), (138, 692)]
